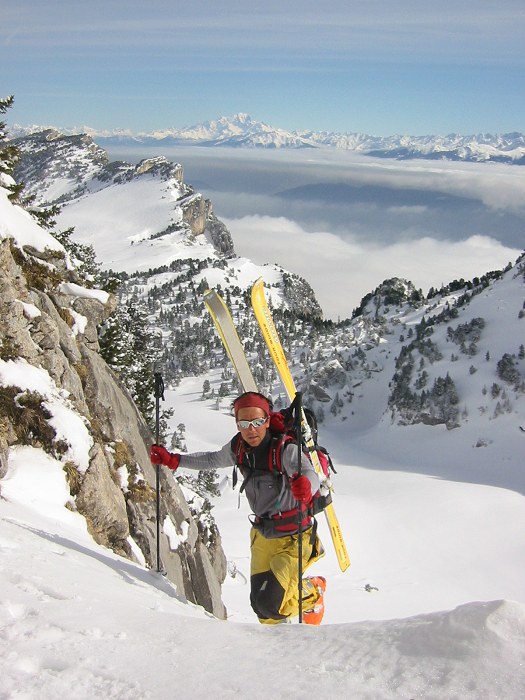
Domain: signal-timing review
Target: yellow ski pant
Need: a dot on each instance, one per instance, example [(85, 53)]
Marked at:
[(274, 574)]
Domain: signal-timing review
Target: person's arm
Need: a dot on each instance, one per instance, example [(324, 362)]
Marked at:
[(197, 460), (209, 460)]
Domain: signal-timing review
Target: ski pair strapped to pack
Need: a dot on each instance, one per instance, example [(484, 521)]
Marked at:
[(275, 348)]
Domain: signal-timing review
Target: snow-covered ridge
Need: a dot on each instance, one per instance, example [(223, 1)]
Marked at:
[(145, 202), (241, 131)]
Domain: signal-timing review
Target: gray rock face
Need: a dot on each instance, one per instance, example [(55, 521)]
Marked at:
[(38, 322)]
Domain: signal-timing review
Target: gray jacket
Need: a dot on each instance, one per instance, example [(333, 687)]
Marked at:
[(268, 493)]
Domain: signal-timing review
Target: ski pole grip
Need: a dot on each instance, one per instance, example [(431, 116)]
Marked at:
[(159, 386)]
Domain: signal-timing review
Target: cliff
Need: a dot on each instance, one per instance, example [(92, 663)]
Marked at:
[(48, 330)]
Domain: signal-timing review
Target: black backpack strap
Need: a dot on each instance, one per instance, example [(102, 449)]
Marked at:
[(327, 455), (238, 450), (275, 463)]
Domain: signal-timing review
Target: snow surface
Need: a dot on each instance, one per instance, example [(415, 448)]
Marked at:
[(28, 232), (120, 220), (446, 621)]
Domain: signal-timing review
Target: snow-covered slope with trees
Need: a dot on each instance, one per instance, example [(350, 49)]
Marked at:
[(450, 357), (112, 203)]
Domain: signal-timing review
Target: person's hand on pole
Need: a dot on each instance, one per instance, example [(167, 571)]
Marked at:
[(160, 455)]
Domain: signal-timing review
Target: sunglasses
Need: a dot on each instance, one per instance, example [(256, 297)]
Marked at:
[(256, 423)]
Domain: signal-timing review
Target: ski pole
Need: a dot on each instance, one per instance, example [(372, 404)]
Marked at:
[(297, 418), (159, 394)]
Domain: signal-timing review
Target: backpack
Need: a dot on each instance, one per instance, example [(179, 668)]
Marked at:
[(283, 431)]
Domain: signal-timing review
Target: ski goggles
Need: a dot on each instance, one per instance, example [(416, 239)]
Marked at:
[(255, 423)]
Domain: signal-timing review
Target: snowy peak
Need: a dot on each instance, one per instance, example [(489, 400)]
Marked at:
[(239, 130), (56, 167), (220, 128), (453, 359), (391, 292), (53, 163)]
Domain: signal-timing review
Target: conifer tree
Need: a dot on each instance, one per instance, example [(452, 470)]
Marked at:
[(128, 346), (9, 154)]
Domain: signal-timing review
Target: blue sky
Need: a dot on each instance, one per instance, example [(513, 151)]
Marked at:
[(376, 66)]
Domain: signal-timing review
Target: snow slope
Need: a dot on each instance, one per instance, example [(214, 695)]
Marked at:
[(77, 620)]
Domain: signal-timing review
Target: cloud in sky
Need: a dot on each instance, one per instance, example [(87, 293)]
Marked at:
[(342, 271), (350, 26), (375, 66), (246, 181), (364, 199)]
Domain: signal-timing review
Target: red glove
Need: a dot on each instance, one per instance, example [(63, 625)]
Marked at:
[(301, 488), (160, 455)]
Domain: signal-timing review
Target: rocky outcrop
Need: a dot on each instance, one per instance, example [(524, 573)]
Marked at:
[(50, 322), (299, 296), (195, 210)]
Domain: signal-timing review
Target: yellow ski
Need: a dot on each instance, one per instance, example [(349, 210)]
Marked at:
[(271, 338)]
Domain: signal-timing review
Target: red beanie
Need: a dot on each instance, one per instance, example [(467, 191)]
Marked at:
[(251, 400)]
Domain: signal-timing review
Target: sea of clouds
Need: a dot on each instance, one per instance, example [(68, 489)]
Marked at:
[(346, 221)]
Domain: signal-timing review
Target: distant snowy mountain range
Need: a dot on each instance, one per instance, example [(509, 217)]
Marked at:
[(241, 131)]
